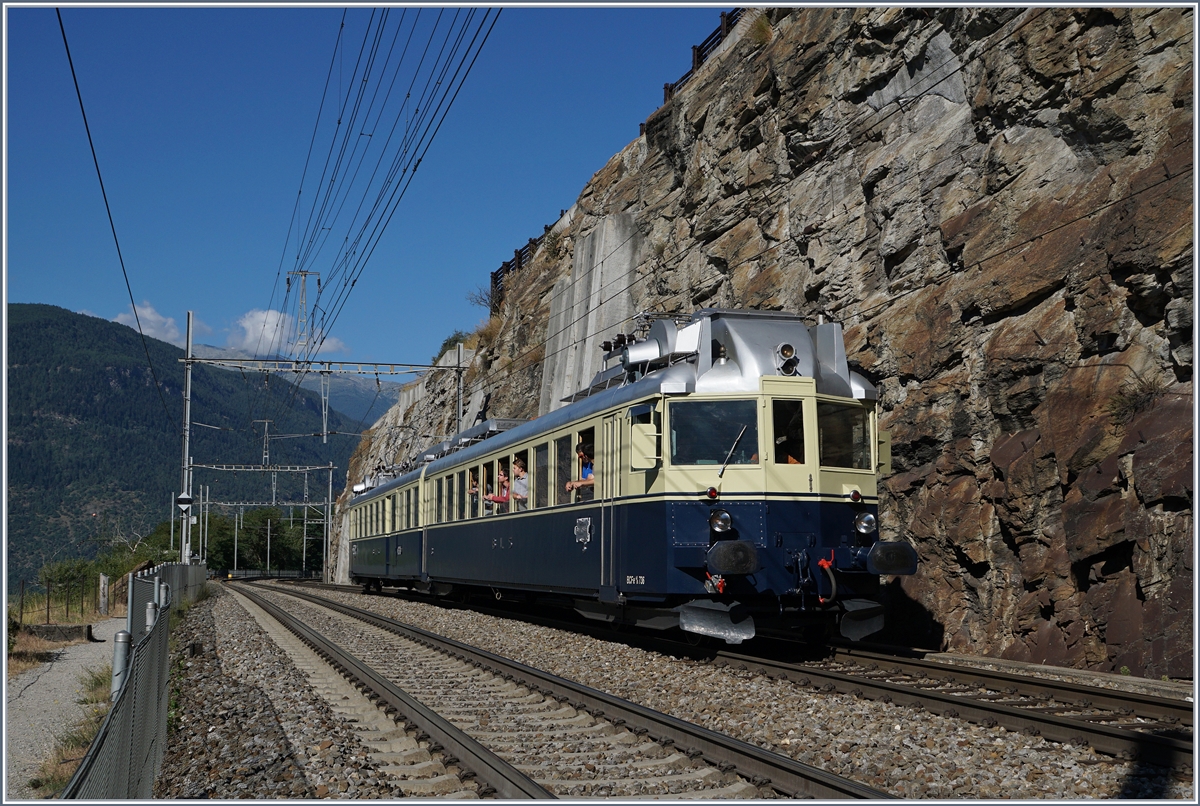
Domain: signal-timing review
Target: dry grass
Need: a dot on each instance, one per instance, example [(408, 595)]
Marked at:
[(485, 335), (29, 652), (56, 771), (760, 32), (35, 608)]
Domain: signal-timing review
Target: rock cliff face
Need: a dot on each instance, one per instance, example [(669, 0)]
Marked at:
[(997, 205)]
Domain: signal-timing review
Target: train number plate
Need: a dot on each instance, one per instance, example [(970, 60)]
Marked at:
[(583, 531), (635, 579)]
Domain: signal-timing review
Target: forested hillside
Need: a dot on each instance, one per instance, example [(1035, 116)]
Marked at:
[(94, 456)]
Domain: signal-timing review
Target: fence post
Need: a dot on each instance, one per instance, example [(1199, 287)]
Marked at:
[(102, 595), (129, 601), (151, 615), (120, 666)]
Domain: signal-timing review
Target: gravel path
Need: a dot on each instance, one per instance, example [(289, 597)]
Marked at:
[(42, 703)]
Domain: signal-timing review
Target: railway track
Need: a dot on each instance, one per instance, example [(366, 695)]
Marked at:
[(1151, 729), (565, 738)]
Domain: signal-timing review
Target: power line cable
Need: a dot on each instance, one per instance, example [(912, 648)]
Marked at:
[(112, 225)]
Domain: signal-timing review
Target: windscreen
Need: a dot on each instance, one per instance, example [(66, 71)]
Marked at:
[(705, 432), (844, 436)]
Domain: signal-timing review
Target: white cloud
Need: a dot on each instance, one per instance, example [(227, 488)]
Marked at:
[(260, 332), (154, 324)]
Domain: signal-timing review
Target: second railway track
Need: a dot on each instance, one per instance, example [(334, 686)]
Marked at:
[(907, 750)]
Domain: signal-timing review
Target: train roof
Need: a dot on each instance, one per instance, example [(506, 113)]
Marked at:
[(715, 351)]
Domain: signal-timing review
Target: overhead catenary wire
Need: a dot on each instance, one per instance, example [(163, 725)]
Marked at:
[(461, 45), (111, 223)]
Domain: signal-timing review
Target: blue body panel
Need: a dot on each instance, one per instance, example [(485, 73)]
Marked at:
[(648, 550)]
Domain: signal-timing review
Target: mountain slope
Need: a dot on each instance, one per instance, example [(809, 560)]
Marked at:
[(91, 448)]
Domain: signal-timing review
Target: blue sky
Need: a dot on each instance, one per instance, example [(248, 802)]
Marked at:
[(202, 119)]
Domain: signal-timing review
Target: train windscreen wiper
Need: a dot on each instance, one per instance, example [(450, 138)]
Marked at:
[(732, 448)]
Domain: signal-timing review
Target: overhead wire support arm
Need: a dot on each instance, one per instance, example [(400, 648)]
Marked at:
[(339, 367), (264, 468)]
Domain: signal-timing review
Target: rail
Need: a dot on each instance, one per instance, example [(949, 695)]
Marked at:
[(783, 774), (124, 758), (700, 54), (506, 780)]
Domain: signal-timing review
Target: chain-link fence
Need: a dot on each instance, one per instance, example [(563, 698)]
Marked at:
[(124, 758)]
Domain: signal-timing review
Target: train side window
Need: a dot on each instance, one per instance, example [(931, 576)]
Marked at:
[(541, 475), (519, 481), (473, 492), (487, 487), (503, 486), (564, 460), (843, 436), (787, 420), (437, 502), (450, 493), (462, 495), (416, 507), (586, 467)]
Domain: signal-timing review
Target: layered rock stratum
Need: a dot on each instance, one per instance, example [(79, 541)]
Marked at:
[(997, 204)]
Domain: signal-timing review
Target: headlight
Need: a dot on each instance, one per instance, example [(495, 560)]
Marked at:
[(720, 521), (865, 522)]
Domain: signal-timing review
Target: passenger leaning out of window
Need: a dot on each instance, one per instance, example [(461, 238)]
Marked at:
[(502, 496), (520, 485), (587, 475)]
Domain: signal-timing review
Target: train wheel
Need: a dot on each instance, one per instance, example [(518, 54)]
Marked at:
[(379, 587)]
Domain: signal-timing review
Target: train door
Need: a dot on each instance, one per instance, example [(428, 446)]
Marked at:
[(609, 482)]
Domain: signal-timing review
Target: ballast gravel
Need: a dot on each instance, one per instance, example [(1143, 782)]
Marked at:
[(246, 722), (248, 725), (906, 752)]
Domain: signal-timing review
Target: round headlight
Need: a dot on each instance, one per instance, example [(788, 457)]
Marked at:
[(786, 351), (720, 521), (865, 522)]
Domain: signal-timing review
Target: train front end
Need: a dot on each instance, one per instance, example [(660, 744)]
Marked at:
[(771, 464)]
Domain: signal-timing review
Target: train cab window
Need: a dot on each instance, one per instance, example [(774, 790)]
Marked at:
[(843, 436), (462, 495), (787, 423), (564, 460), (541, 476), (706, 432), (519, 482)]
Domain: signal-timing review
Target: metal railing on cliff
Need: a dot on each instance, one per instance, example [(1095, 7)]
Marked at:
[(700, 54)]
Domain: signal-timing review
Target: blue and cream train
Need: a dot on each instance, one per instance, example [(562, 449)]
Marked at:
[(735, 460)]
